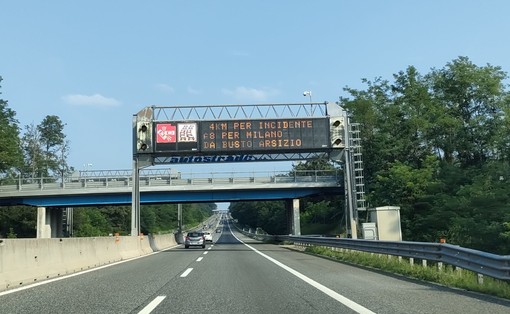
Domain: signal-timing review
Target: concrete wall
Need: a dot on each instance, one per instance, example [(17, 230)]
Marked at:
[(25, 261), (163, 241)]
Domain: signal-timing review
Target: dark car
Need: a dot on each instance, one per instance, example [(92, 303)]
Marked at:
[(194, 239)]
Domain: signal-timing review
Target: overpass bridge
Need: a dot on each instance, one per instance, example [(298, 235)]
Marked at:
[(114, 187)]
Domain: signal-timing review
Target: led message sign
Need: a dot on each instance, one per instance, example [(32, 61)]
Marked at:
[(234, 136), (263, 135)]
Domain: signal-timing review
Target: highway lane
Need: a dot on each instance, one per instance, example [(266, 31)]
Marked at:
[(230, 277)]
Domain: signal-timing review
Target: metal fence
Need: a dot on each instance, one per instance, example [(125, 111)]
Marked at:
[(123, 178)]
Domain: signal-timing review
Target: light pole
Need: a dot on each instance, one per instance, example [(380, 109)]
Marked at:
[(308, 93)]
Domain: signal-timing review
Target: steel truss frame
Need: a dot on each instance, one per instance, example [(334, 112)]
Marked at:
[(258, 111)]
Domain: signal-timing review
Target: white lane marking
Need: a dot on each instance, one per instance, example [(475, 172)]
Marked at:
[(340, 298), (186, 272), (151, 306), (209, 247), (200, 259), (46, 281), (205, 253)]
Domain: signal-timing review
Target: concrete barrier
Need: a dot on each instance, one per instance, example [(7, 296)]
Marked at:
[(25, 261), (163, 241)]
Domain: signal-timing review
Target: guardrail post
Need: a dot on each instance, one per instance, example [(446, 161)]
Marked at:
[(440, 266), (480, 279), (424, 263), (411, 261)]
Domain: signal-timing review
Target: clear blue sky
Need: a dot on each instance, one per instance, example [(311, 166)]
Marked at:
[(96, 63)]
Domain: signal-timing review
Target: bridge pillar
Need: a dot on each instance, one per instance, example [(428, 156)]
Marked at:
[(293, 223), (49, 222), (43, 223)]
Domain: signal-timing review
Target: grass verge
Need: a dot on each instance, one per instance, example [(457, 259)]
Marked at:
[(446, 275)]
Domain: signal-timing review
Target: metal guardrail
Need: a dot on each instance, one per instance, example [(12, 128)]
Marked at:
[(119, 179), (496, 266)]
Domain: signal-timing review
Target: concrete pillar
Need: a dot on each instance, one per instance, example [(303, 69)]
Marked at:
[(56, 222), (293, 219), (43, 223), (49, 223)]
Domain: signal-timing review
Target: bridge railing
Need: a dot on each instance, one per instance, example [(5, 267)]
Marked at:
[(116, 179)]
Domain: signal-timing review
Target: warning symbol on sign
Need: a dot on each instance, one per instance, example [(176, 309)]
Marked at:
[(166, 133)]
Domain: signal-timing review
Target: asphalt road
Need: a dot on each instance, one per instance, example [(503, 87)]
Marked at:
[(238, 275)]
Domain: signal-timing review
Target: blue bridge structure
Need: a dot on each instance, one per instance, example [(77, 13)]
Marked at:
[(51, 196)]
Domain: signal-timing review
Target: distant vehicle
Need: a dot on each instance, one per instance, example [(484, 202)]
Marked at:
[(207, 236), (194, 239), (218, 230)]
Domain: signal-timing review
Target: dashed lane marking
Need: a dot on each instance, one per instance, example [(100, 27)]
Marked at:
[(186, 272), (151, 306)]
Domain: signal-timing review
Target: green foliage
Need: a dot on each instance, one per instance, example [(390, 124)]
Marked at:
[(54, 145), (10, 152), (18, 220), (268, 215), (11, 234), (90, 222), (437, 145), (162, 218), (33, 152)]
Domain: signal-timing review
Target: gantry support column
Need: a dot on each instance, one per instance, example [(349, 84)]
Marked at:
[(293, 222), (135, 199)]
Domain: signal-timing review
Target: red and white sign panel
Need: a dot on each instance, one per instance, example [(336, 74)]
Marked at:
[(166, 133), (176, 136)]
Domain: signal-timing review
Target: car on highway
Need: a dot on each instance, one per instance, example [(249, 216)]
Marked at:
[(218, 230), (207, 236), (194, 238)]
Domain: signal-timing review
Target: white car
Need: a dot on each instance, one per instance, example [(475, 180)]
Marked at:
[(207, 236)]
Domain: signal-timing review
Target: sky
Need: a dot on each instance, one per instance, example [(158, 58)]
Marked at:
[(96, 63)]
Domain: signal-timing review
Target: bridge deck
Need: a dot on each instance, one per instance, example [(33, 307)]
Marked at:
[(45, 191)]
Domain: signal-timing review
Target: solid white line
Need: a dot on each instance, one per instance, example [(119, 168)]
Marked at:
[(340, 298), (200, 259), (151, 306), (186, 272)]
